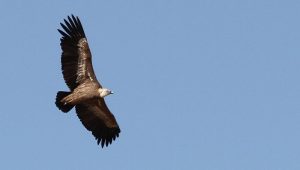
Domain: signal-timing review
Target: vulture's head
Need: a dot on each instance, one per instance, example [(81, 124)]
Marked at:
[(104, 92)]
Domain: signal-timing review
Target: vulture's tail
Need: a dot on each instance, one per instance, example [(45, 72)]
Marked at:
[(61, 106)]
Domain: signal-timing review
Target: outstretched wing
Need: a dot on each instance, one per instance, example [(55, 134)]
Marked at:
[(76, 58), (97, 118)]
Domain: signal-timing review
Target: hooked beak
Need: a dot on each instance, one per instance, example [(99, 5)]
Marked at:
[(111, 92)]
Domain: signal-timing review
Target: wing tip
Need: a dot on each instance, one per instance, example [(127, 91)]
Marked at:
[(72, 27), (105, 141)]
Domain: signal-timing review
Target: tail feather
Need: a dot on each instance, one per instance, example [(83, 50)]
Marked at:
[(61, 106)]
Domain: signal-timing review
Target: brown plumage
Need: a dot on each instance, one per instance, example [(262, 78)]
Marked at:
[(87, 95)]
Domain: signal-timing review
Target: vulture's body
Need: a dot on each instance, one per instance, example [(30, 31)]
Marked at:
[(86, 95)]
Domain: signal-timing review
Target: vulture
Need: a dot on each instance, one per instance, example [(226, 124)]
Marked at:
[(86, 93)]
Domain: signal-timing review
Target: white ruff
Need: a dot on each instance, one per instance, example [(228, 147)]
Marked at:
[(103, 92)]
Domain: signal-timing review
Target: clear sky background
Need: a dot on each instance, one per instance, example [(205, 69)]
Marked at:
[(200, 84)]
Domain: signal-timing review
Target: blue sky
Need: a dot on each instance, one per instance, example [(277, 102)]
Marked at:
[(198, 85)]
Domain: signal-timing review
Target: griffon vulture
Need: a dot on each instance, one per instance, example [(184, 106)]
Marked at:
[(86, 93)]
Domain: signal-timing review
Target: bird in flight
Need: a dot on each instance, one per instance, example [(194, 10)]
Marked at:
[(86, 93)]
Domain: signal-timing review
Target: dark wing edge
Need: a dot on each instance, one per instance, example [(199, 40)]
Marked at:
[(97, 118), (76, 56)]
